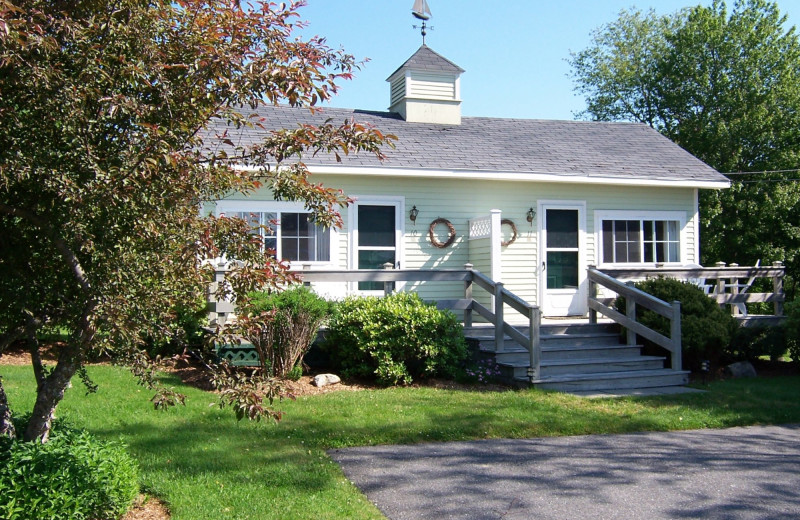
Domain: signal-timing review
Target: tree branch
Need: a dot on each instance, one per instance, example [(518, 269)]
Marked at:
[(58, 242)]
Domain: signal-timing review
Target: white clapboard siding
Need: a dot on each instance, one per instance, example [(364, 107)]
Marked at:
[(461, 200)]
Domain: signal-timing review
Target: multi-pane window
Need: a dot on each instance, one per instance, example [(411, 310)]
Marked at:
[(641, 241), (292, 235)]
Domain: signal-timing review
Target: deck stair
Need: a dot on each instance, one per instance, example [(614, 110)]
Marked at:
[(578, 357)]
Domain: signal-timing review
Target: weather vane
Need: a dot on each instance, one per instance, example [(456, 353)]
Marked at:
[(422, 12)]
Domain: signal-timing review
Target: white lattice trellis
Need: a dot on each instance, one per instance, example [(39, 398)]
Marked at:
[(480, 227)]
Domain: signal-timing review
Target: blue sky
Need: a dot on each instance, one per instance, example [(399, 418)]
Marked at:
[(513, 51)]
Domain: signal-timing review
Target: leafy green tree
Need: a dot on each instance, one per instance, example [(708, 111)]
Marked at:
[(107, 152), (724, 85)]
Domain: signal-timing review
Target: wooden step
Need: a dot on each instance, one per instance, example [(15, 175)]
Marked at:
[(585, 366), (612, 380), (516, 353)]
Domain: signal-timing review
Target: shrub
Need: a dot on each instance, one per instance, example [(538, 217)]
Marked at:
[(485, 371), (394, 339), (750, 343), (282, 325), (73, 476), (186, 331), (706, 329), (793, 330)]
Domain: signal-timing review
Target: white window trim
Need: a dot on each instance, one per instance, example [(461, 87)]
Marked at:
[(258, 206), (600, 216)]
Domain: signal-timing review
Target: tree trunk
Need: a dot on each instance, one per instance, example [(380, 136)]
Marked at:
[(51, 390), (49, 394), (6, 424)]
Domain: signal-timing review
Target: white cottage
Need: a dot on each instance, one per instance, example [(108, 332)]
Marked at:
[(531, 203)]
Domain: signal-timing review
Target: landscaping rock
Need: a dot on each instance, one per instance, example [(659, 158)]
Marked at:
[(326, 379), (741, 369)]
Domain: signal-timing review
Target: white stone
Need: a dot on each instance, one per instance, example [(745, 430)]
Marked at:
[(326, 379)]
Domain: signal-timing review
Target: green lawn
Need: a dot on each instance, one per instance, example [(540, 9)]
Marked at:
[(206, 465)]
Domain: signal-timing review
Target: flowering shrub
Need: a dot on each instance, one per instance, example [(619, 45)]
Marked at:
[(484, 372)]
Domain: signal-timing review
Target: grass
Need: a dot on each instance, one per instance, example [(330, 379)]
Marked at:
[(206, 465)]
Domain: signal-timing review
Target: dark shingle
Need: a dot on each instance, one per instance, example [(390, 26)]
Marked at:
[(427, 60), (562, 148)]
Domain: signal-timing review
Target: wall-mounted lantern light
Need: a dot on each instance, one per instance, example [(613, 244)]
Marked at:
[(530, 215), (413, 214)]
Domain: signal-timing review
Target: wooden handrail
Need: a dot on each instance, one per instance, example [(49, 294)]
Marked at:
[(726, 290), (471, 278), (633, 298)]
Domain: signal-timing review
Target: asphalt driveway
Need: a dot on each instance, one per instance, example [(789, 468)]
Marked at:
[(738, 473)]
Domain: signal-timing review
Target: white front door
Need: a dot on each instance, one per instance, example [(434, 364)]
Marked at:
[(376, 237), (562, 264)]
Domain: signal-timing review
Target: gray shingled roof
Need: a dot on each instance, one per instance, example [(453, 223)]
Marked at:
[(629, 151), (427, 60)]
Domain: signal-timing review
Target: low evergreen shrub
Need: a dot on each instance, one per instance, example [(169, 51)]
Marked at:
[(186, 331), (282, 326), (73, 476), (750, 343), (706, 329), (394, 339), (793, 330)]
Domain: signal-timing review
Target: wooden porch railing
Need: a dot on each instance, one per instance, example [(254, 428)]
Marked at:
[(633, 298), (468, 304), (725, 285)]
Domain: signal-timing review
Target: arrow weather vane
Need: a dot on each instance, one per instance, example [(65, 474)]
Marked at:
[(422, 12)]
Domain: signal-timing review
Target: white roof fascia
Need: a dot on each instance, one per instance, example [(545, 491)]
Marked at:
[(492, 175), (513, 176)]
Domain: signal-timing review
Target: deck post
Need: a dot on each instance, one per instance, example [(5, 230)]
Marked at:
[(630, 313), (468, 296), (388, 287), (499, 333), (534, 345), (777, 287), (592, 296), (720, 282), (734, 284), (675, 336)]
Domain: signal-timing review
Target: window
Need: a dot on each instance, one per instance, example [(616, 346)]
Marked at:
[(641, 241), (292, 235)]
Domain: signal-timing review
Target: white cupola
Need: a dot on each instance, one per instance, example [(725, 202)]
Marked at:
[(426, 89)]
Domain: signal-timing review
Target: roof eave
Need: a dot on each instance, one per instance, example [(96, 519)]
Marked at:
[(515, 176)]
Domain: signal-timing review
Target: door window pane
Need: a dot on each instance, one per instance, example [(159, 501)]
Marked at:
[(562, 228), (376, 226), (373, 260), (562, 269)]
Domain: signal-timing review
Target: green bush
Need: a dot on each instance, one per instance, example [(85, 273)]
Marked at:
[(282, 326), (295, 374), (793, 330), (186, 331), (73, 476), (750, 343), (394, 339), (706, 329)]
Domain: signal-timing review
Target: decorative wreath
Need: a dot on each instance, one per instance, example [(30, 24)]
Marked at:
[(450, 239), (508, 221)]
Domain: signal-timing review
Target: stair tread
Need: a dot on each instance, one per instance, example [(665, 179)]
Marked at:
[(583, 361), (608, 375), (587, 335), (515, 348)]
